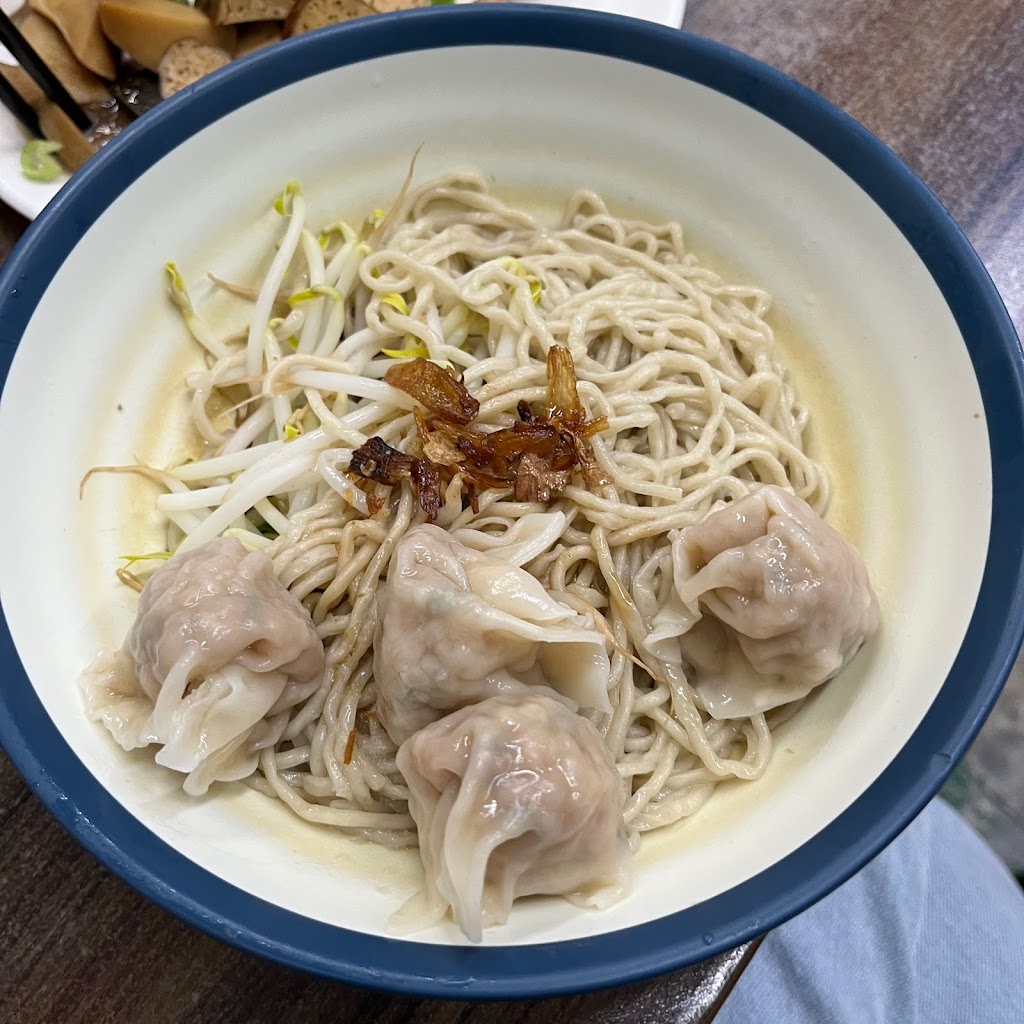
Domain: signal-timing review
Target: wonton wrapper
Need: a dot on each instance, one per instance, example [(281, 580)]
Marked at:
[(457, 625), (218, 654), (513, 797), (770, 601)]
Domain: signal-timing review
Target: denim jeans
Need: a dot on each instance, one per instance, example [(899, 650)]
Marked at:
[(930, 932)]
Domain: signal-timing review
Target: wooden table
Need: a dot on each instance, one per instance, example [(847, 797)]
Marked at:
[(940, 81)]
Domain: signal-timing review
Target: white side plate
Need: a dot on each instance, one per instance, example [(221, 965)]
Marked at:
[(29, 197)]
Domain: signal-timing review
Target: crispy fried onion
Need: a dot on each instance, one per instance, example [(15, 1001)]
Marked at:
[(377, 460), (536, 456), (435, 389)]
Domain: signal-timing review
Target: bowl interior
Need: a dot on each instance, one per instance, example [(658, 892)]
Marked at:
[(868, 334)]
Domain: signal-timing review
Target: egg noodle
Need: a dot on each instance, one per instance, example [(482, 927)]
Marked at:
[(682, 365)]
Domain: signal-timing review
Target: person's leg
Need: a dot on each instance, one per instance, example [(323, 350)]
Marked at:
[(930, 932)]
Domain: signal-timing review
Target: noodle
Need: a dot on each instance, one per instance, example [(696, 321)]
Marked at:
[(682, 365)]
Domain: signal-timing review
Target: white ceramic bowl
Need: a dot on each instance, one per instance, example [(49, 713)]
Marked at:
[(898, 341)]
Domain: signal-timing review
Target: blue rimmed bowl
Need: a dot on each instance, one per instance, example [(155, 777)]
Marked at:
[(896, 337)]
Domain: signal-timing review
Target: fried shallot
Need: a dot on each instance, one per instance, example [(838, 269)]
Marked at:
[(535, 456)]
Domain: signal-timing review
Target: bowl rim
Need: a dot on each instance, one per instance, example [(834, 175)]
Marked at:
[(993, 636)]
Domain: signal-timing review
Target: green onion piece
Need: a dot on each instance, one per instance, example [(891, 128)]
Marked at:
[(293, 341), (38, 162)]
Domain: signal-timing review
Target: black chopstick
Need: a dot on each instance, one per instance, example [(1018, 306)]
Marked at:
[(15, 103), (36, 67)]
